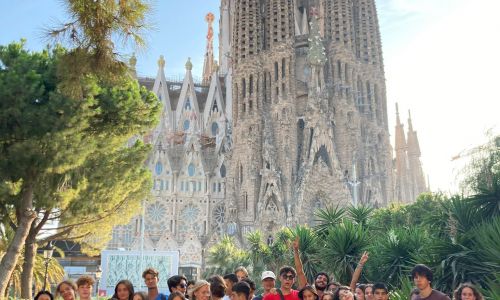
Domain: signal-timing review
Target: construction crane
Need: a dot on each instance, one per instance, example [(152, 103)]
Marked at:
[(495, 144), (468, 152)]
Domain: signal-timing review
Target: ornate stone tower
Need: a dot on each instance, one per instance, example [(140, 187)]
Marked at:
[(309, 110), (410, 181)]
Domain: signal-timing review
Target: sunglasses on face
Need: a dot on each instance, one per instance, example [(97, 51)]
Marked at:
[(182, 285), (289, 277)]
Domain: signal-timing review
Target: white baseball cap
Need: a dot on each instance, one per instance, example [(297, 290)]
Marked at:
[(268, 274)]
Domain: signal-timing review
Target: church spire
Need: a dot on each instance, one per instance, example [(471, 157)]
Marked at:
[(412, 138), (208, 66), (417, 178), (402, 184)]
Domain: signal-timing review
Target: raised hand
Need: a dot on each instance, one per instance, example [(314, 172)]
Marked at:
[(295, 243), (364, 258)]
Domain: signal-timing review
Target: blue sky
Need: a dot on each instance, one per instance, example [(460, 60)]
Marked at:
[(441, 61)]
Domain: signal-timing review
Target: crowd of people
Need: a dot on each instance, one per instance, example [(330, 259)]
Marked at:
[(239, 286)]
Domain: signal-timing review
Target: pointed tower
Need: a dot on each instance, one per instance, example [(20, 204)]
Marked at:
[(416, 174), (300, 90), (209, 64), (402, 192)]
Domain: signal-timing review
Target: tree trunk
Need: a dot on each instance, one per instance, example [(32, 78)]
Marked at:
[(25, 215), (29, 263), (7, 290)]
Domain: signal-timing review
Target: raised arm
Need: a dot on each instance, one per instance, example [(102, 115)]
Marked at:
[(301, 276), (357, 272)]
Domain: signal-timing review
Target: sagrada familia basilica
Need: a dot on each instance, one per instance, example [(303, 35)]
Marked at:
[(292, 119)]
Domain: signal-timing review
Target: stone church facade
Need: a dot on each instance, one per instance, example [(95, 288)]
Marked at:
[(294, 119)]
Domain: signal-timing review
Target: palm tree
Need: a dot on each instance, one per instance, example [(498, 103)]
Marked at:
[(225, 256), (55, 272), (309, 246), (393, 253), (259, 252), (360, 214), (344, 245), (327, 218)]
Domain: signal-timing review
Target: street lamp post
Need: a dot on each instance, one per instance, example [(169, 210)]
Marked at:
[(47, 256), (98, 274)]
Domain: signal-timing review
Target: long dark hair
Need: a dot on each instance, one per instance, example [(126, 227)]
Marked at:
[(44, 293), (128, 285)]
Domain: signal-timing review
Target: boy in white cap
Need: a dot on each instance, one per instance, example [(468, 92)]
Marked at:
[(268, 282)]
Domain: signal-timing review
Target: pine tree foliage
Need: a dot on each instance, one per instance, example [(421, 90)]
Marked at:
[(66, 158)]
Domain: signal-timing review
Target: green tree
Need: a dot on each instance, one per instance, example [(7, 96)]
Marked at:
[(96, 31), (224, 257), (55, 271), (393, 253), (52, 145), (344, 245), (309, 249)]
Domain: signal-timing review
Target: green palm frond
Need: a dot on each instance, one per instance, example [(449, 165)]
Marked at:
[(486, 239), (309, 251), (492, 288), (344, 245), (393, 253), (360, 215), (328, 217)]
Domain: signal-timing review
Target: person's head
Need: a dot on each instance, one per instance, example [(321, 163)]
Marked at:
[(240, 291), (66, 290), (140, 296), (124, 290), (321, 281), (200, 290), (217, 286), (327, 296), (151, 278), (343, 293), (241, 272), (359, 292), (176, 295), (287, 277), (230, 279), (44, 295), (414, 294), (268, 280), (251, 284), (422, 276), (332, 286), (467, 291), (380, 291), (308, 293), (369, 292), (177, 283), (84, 285)]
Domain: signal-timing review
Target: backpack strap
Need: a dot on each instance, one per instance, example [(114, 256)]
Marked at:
[(282, 297)]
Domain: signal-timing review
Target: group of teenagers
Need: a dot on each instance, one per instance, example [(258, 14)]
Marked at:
[(238, 286)]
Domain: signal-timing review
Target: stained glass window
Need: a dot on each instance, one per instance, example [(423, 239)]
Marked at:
[(215, 128), (158, 168), (223, 171), (191, 170)]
